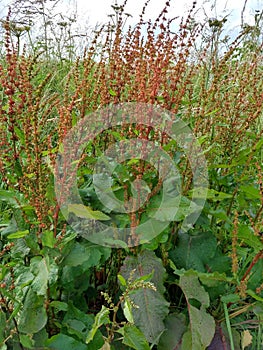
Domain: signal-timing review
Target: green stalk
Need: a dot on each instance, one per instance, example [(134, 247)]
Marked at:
[(228, 326)]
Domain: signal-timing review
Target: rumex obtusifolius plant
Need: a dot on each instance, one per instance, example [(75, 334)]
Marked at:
[(51, 278)]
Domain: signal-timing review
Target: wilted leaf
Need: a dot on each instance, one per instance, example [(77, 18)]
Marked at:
[(246, 339)]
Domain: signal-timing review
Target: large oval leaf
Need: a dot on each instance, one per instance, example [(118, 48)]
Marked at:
[(33, 315)]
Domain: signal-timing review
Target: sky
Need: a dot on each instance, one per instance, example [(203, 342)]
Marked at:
[(90, 13), (97, 11)]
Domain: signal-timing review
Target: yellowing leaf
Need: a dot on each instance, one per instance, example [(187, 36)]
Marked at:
[(85, 212), (246, 339), (18, 234)]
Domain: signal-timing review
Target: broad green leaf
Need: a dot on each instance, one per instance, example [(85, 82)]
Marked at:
[(33, 314), (87, 253), (251, 192), (40, 268), (247, 236), (25, 278), (172, 209), (150, 229), (213, 195), (48, 239), (153, 308), (77, 322), (12, 197), (59, 305), (85, 212), (101, 318), (64, 342), (230, 298), (202, 324), (194, 252), (26, 341), (175, 326), (18, 234), (134, 338), (145, 264), (221, 214)]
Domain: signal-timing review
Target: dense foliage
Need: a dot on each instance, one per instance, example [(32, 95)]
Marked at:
[(195, 288)]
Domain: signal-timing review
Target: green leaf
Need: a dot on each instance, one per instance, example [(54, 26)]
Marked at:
[(40, 268), (251, 192), (122, 280), (127, 310), (202, 324), (33, 315), (112, 92), (26, 341), (2, 326), (77, 322), (259, 145), (87, 253), (85, 212), (194, 252), (145, 264), (172, 209), (134, 338), (20, 134), (175, 327), (18, 234), (247, 236), (11, 197), (254, 295), (59, 305), (63, 342), (17, 168), (101, 318), (213, 195), (153, 308), (48, 239), (230, 298)]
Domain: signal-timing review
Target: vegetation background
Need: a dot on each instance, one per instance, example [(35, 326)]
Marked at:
[(200, 289)]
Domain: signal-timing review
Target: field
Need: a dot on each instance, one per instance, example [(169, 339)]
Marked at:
[(131, 188)]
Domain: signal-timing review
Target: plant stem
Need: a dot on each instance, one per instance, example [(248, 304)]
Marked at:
[(228, 325)]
